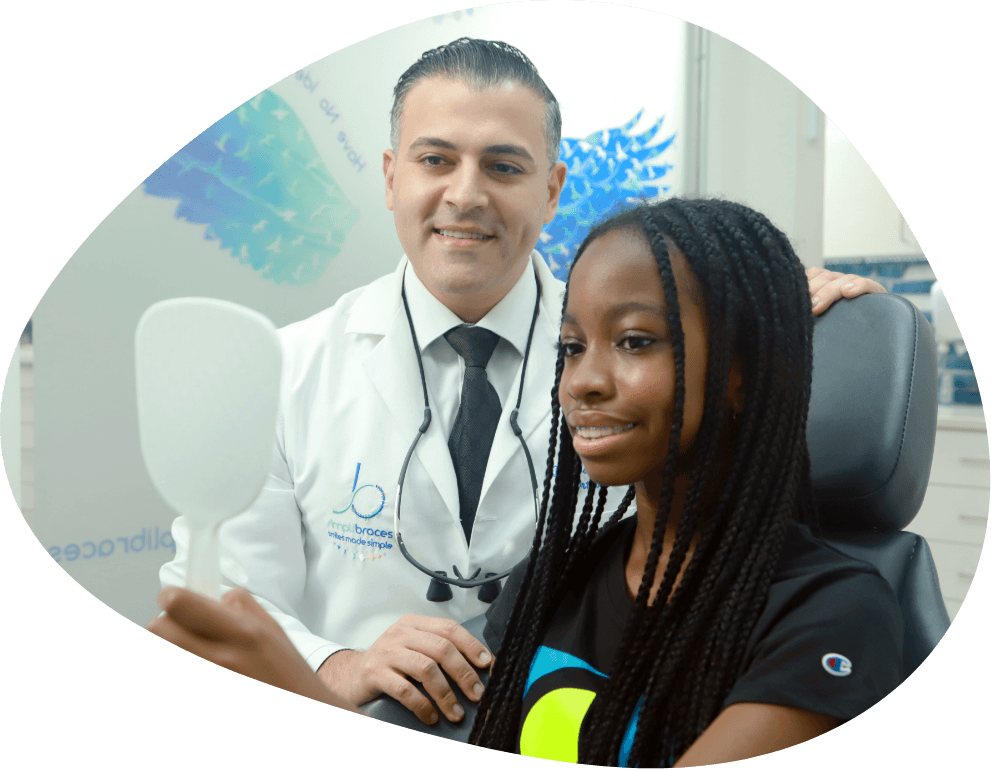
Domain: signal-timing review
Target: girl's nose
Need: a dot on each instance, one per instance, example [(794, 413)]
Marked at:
[(587, 378)]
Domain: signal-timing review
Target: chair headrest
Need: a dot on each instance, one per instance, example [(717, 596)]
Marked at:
[(872, 415)]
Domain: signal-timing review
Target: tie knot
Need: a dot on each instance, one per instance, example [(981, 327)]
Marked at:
[(472, 343)]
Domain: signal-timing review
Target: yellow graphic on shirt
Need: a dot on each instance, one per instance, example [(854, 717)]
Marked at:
[(551, 727)]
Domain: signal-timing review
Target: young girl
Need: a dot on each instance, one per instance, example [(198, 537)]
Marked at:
[(711, 625)]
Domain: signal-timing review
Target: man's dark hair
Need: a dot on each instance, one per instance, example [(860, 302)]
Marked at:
[(481, 64), (680, 654)]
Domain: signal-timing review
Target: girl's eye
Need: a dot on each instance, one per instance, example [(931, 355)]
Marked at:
[(636, 342), (570, 349)]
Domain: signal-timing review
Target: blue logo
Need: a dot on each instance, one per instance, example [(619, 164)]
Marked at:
[(366, 501), (837, 664)]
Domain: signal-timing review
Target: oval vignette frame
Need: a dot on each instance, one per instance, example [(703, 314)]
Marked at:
[(65, 670)]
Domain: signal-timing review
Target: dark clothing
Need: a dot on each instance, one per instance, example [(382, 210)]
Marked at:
[(827, 641)]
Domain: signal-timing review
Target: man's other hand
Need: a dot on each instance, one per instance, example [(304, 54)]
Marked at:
[(418, 648), (827, 286)]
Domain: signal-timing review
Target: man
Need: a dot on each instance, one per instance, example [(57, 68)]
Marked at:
[(471, 178)]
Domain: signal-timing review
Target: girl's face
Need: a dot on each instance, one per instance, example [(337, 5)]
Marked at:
[(618, 384)]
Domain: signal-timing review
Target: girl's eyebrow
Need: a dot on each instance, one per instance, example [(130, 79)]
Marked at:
[(633, 306), (623, 308)]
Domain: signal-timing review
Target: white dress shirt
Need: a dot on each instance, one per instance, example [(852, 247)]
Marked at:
[(444, 368)]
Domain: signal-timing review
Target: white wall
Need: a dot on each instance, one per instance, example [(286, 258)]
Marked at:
[(760, 141), (861, 219), (10, 424)]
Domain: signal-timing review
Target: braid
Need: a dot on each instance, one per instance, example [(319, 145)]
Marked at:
[(620, 695), (747, 478)]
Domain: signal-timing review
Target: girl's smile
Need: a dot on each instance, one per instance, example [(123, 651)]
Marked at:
[(593, 441)]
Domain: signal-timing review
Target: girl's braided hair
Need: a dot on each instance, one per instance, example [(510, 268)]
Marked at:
[(680, 655)]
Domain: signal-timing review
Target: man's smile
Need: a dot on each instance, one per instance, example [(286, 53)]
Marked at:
[(463, 234)]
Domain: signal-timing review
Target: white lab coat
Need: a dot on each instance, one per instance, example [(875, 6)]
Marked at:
[(351, 394)]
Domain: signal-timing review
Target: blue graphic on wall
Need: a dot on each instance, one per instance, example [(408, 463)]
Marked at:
[(606, 169), (256, 179)]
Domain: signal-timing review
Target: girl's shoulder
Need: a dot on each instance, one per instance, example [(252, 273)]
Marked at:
[(815, 579), (829, 637), (805, 556)]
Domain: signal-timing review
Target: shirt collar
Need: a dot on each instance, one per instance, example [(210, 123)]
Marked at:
[(510, 319)]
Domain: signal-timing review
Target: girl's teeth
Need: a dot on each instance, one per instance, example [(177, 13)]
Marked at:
[(591, 433)]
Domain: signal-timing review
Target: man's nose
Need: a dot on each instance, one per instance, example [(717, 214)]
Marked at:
[(466, 190)]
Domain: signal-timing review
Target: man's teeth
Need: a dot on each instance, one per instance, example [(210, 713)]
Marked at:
[(468, 235), (591, 433)]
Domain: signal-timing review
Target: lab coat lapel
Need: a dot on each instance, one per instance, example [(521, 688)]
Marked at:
[(536, 403), (392, 369)]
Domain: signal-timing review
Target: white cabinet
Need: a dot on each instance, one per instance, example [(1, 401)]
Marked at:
[(954, 514)]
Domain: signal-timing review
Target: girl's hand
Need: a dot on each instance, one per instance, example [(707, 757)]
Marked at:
[(238, 634)]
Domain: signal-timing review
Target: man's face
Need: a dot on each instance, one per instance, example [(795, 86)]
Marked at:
[(470, 189)]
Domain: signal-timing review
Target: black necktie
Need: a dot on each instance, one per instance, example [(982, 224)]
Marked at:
[(478, 416)]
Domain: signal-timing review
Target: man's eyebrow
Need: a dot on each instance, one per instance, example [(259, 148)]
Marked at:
[(432, 141), (512, 150)]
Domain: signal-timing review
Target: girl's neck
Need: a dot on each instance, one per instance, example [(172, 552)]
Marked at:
[(649, 492), (648, 498)]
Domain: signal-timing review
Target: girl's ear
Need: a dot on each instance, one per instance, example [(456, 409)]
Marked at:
[(736, 393)]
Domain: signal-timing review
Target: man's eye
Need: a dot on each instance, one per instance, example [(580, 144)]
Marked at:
[(505, 168), (433, 160)]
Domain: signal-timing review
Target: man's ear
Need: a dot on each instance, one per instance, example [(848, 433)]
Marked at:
[(736, 392), (555, 183), (389, 171)]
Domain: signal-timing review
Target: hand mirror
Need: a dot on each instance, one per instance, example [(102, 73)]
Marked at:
[(208, 375)]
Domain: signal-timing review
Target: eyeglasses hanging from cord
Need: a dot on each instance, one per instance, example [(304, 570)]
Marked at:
[(440, 583)]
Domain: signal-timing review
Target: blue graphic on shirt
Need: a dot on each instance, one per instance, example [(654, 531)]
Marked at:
[(631, 729), (256, 180), (606, 169), (547, 660)]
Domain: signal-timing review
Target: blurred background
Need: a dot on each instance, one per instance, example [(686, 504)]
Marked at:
[(279, 206)]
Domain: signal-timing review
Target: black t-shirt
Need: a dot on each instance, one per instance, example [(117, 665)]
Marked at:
[(827, 641)]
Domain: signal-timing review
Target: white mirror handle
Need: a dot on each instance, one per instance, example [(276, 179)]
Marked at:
[(203, 567)]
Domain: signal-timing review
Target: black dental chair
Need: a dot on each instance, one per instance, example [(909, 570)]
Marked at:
[(871, 432)]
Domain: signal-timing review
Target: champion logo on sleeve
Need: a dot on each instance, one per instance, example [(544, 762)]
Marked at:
[(836, 664)]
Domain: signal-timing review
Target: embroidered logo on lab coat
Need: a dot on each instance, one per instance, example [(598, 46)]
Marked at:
[(361, 539)]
